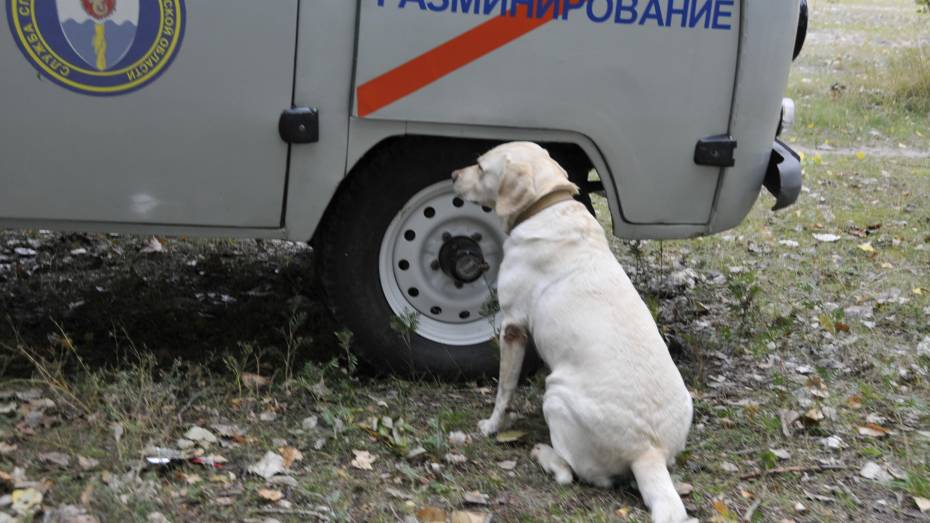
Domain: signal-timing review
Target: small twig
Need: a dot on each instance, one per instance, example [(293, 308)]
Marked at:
[(783, 470)]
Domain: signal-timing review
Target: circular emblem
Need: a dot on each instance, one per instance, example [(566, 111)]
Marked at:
[(98, 47)]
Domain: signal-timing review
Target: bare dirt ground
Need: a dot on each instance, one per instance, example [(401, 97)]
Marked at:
[(194, 380)]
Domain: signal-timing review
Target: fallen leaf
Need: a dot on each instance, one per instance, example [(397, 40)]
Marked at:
[(781, 454), (814, 415), (416, 452), (787, 418), (228, 431), (874, 471), (923, 504), (398, 494), (26, 501), (509, 436), (290, 455), (153, 245), (459, 439), (191, 479), (363, 459), (507, 465), (268, 466), (623, 512), (826, 237), (431, 515), (872, 430), (833, 442), (860, 155), (455, 458), (213, 460), (117, 431), (87, 495), (854, 401), (200, 435), (475, 498), (464, 516), (254, 381), (57, 458), (270, 495), (87, 463), (866, 247), (721, 507)]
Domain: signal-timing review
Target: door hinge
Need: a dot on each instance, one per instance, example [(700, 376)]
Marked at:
[(716, 151), (300, 125)]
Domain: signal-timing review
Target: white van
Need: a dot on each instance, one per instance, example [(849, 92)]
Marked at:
[(339, 121)]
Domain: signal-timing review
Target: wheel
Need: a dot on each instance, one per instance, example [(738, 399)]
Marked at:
[(398, 245)]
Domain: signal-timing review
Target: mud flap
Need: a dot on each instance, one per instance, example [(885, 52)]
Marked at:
[(783, 177)]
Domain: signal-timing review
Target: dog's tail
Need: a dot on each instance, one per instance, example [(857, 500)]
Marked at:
[(658, 491)]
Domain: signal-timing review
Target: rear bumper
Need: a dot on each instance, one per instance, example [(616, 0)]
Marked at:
[(783, 177)]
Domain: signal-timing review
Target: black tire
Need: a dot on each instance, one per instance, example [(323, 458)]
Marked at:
[(348, 247), (349, 243)]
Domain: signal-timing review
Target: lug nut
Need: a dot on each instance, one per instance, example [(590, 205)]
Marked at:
[(434, 265), (446, 236), (476, 236), (458, 284)]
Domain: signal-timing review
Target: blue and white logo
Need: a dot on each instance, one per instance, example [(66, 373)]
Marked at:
[(102, 42), (98, 47)]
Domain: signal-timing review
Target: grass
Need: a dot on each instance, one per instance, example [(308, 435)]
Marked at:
[(149, 346), (862, 78)]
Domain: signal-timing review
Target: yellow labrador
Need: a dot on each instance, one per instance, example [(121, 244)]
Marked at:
[(614, 400)]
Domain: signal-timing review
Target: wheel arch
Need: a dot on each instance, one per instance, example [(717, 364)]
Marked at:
[(575, 153)]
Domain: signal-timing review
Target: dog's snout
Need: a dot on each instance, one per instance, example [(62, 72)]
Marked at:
[(455, 175)]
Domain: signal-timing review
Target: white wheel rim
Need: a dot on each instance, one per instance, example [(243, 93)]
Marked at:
[(445, 313)]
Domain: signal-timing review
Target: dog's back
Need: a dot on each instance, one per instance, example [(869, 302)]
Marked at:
[(608, 360)]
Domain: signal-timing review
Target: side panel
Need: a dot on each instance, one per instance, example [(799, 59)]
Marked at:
[(197, 146), (325, 55), (769, 30), (643, 91)]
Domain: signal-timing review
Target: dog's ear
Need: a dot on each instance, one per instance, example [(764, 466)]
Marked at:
[(552, 179), (516, 191)]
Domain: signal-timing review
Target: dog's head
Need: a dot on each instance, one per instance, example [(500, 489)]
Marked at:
[(511, 177)]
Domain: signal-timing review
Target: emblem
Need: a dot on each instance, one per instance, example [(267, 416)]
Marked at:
[(98, 47)]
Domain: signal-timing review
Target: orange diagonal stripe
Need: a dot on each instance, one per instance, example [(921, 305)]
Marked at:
[(444, 59)]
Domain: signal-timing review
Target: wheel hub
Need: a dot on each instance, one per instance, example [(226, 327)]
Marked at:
[(461, 259)]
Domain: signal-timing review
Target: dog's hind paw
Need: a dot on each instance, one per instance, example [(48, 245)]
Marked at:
[(488, 426)]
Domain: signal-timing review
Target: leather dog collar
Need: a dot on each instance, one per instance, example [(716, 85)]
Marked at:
[(542, 204)]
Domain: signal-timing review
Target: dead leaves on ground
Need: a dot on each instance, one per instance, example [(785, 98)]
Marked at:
[(363, 459)]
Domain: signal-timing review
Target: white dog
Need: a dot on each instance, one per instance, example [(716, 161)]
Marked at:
[(614, 401)]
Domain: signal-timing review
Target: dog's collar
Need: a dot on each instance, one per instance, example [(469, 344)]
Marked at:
[(542, 204)]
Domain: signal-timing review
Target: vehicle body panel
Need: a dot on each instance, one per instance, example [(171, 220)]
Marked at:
[(196, 147), (765, 59), (643, 94), (197, 151)]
